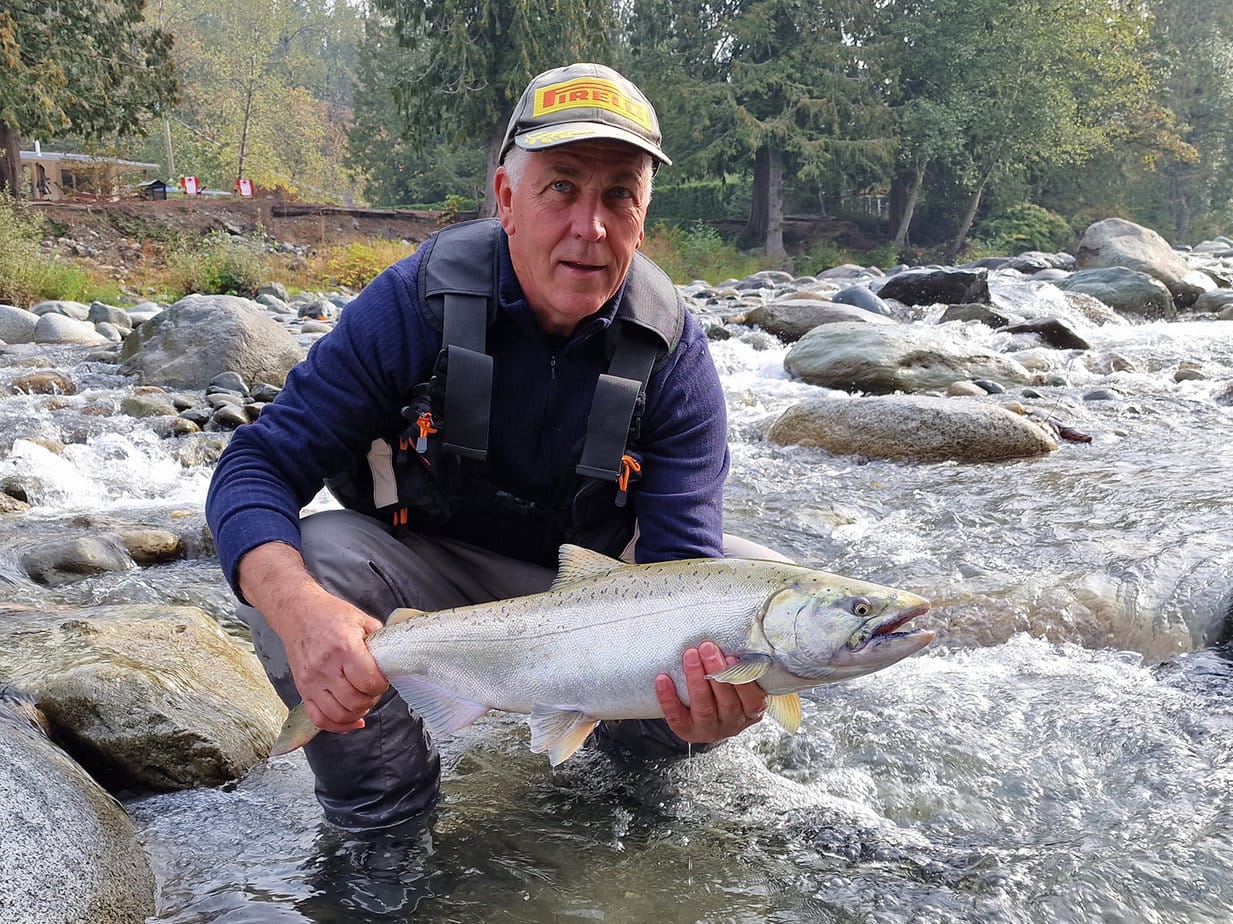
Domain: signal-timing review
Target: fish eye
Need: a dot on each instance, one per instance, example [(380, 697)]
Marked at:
[(861, 607)]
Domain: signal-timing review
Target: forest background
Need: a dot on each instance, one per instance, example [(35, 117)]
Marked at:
[(930, 127)]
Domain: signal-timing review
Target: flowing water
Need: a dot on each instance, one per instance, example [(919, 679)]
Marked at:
[(1064, 752)]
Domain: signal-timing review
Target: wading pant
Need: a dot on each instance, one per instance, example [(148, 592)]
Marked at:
[(389, 771)]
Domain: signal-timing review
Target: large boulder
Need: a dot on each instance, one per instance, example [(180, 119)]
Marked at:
[(1124, 290), (148, 697), (71, 854), (880, 359), (201, 336), (912, 427), (1117, 242)]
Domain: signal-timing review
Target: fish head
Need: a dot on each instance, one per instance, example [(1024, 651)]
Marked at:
[(824, 627)]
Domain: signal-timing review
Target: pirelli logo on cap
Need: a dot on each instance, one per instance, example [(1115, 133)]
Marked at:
[(591, 93)]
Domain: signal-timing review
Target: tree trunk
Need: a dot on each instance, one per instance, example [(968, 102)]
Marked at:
[(907, 206), (1184, 215), (774, 206), (756, 226), (248, 112), (488, 204), (970, 216), (10, 160)]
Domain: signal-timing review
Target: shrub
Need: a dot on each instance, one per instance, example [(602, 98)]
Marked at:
[(709, 200), (1025, 227), (698, 252), (28, 273), (218, 265), (355, 265)]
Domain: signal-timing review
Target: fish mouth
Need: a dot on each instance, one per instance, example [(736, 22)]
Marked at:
[(887, 630)]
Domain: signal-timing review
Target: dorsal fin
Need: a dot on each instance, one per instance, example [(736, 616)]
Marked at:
[(577, 564)]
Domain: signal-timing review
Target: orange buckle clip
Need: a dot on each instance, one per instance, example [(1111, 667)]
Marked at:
[(424, 422), (629, 466)]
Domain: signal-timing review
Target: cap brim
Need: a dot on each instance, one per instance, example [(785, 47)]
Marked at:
[(541, 139)]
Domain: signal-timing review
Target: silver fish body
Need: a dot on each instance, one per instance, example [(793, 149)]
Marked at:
[(589, 648)]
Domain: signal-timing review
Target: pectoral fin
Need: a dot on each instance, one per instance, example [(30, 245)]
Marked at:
[(296, 732), (751, 667), (558, 731), (443, 711), (785, 708)]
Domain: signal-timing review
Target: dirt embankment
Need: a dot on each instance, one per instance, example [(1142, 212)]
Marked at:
[(113, 226)]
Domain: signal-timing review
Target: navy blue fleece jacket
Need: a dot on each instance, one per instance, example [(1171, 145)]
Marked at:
[(353, 384)]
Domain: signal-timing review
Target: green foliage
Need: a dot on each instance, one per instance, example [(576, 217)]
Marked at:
[(93, 67), (686, 203), (28, 273), (698, 252), (217, 265), (1025, 227)]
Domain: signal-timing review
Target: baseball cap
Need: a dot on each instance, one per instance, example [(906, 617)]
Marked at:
[(583, 102)]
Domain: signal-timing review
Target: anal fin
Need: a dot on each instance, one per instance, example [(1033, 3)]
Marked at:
[(558, 731)]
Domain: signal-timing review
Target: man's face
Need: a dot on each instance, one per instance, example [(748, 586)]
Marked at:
[(574, 222)]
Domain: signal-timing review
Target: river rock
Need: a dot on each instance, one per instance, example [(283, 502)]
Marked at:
[(59, 328), (68, 560), (148, 546), (1214, 301), (793, 318), (101, 312), (71, 853), (1124, 290), (45, 383), (201, 336), (1116, 242), (861, 297), (1053, 331), (881, 359), (937, 287), (153, 697), (912, 427), (17, 325), (68, 309), (146, 406)]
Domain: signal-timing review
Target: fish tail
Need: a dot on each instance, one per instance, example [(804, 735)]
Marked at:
[(296, 732)]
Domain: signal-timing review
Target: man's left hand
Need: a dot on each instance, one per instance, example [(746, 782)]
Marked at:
[(716, 710)]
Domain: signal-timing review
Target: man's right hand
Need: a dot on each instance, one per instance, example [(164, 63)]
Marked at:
[(324, 636)]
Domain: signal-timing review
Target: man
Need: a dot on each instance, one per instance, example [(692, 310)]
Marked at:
[(498, 392)]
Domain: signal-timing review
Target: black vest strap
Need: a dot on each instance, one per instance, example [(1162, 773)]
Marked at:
[(468, 381), (615, 402)]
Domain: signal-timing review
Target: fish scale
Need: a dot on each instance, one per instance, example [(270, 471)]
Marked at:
[(589, 648)]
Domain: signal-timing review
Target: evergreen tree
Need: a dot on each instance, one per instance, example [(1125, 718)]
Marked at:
[(471, 59), (91, 67)]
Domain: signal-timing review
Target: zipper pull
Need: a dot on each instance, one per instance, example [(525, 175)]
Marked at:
[(629, 466), (424, 422)]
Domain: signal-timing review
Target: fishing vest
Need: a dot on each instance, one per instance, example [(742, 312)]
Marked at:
[(433, 476)]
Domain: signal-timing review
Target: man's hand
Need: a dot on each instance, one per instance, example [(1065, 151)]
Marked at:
[(333, 669), (716, 710)]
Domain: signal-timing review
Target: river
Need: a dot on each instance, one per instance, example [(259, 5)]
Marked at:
[(1063, 752)]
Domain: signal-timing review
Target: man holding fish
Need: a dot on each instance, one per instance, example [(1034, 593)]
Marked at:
[(515, 385)]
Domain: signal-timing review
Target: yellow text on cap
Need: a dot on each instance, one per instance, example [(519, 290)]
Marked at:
[(590, 92)]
